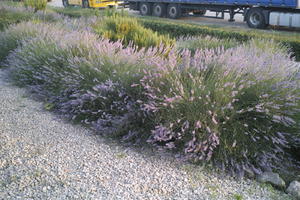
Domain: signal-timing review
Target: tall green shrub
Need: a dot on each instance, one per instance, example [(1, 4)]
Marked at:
[(36, 4), (129, 30)]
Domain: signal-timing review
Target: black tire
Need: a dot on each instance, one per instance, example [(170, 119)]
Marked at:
[(199, 12), (255, 18), (65, 3), (85, 4), (159, 10), (174, 11), (145, 9)]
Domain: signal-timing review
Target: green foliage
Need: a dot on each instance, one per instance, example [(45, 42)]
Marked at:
[(8, 17), (36, 4), (49, 106), (113, 12), (194, 43), (177, 29), (237, 197), (10, 38), (129, 30)]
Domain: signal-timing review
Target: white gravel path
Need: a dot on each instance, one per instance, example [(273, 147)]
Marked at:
[(42, 157)]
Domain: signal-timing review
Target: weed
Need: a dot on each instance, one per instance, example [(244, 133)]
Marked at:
[(238, 197)]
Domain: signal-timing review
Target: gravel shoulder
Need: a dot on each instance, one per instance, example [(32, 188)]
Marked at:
[(42, 157)]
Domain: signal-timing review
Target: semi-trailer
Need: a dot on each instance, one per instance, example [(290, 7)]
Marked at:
[(257, 13)]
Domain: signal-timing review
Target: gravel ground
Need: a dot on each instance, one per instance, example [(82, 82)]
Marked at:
[(42, 157)]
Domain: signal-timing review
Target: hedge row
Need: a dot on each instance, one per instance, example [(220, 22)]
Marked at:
[(129, 31), (238, 108), (177, 29), (229, 107)]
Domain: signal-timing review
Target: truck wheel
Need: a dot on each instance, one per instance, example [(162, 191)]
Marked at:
[(85, 4), (65, 3), (173, 11), (199, 12), (255, 18), (159, 10), (145, 9)]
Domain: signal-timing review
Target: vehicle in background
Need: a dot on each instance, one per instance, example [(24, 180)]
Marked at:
[(257, 13), (92, 3)]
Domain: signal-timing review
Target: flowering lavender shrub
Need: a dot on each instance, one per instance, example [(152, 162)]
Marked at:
[(236, 107), (194, 43), (10, 38), (10, 15), (13, 15), (86, 78)]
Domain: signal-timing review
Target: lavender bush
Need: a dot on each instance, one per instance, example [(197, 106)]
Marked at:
[(238, 108), (10, 38), (12, 15), (86, 78), (194, 43)]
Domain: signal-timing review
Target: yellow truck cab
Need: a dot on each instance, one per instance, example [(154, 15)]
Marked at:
[(92, 3)]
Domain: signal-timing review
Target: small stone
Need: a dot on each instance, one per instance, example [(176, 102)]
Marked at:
[(294, 189), (272, 178)]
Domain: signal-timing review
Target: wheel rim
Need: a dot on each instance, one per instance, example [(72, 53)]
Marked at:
[(157, 10), (172, 11), (255, 19), (144, 9)]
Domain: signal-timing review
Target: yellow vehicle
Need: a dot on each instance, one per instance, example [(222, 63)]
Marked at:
[(92, 3)]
